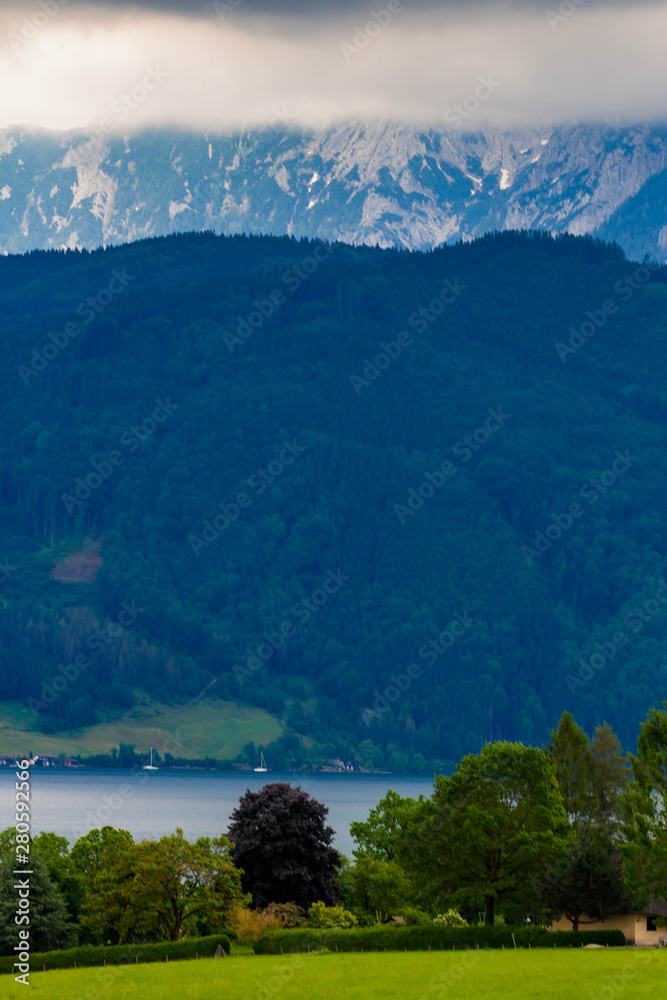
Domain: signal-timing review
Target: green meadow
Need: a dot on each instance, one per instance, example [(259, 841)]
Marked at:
[(485, 975), (210, 728)]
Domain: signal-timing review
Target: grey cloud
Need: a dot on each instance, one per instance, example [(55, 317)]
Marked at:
[(326, 9), (603, 59)]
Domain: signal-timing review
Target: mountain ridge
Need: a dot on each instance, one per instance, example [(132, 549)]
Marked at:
[(379, 183)]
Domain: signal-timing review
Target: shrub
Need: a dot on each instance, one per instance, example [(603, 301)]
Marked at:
[(122, 954), (450, 918), (393, 938), (414, 917), (251, 925), (289, 914), (320, 915)]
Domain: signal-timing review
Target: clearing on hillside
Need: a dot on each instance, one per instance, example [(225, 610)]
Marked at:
[(207, 728)]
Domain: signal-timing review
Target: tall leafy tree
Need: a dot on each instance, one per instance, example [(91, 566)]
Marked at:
[(586, 881), (492, 828), (609, 777), (380, 887), (589, 886), (646, 802), (159, 890), (570, 752), (95, 857), (381, 835), (284, 847), (97, 851)]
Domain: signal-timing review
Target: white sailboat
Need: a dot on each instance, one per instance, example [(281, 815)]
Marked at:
[(262, 765), (149, 767)]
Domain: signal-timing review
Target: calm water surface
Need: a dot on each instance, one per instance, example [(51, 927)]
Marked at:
[(150, 804)]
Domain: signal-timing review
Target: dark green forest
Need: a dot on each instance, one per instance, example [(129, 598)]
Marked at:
[(406, 502)]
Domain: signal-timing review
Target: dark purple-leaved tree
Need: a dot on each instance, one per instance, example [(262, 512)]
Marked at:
[(284, 847)]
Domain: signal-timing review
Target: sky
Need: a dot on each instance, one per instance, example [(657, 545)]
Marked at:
[(228, 64)]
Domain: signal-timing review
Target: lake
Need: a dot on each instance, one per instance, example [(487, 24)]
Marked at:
[(150, 804)]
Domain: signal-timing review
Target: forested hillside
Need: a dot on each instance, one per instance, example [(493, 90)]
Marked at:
[(213, 475)]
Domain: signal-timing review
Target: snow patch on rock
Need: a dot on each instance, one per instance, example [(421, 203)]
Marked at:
[(92, 183), (176, 207), (7, 144)]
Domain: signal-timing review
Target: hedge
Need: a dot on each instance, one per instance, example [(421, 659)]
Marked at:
[(421, 938), (121, 954)]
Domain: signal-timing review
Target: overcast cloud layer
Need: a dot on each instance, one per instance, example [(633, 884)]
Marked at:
[(231, 64)]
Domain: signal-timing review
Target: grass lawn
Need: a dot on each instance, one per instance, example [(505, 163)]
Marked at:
[(488, 975), (217, 729)]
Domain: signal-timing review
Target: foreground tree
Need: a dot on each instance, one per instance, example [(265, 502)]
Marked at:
[(382, 835), (570, 752), (50, 926), (182, 886), (586, 882), (492, 828), (610, 776), (646, 801), (589, 886), (54, 852), (284, 848), (159, 890), (380, 888), (99, 854)]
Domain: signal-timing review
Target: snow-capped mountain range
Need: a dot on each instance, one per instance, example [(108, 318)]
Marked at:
[(383, 182)]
